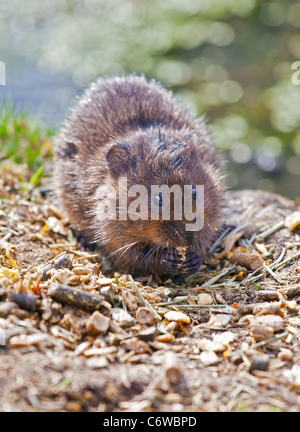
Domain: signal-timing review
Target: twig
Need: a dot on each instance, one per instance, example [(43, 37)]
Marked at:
[(172, 302), (259, 344), (287, 261), (274, 266), (145, 301), (268, 232), (214, 279), (279, 259), (269, 270), (197, 306), (75, 297), (219, 240)]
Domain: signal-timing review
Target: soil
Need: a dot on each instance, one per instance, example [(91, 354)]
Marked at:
[(111, 343)]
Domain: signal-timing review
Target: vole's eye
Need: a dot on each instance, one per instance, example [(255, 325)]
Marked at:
[(158, 200), (194, 193)]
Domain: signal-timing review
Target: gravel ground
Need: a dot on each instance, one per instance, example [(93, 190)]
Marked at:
[(74, 339)]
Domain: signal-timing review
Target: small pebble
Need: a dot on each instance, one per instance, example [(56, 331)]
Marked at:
[(260, 332), (209, 358), (285, 355), (259, 362), (178, 317), (166, 337), (273, 321), (25, 340), (122, 317), (145, 316), (97, 324), (205, 299), (6, 308), (268, 309), (97, 362)]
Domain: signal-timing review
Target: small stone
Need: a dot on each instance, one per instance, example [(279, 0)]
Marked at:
[(24, 340), (97, 324), (122, 317), (273, 321), (209, 358), (102, 281), (73, 406), (166, 338), (268, 309), (219, 320), (178, 317), (173, 371), (92, 352), (6, 308), (205, 299), (293, 221), (293, 375), (82, 347), (147, 334), (285, 355), (261, 333), (144, 316), (259, 362), (172, 326), (97, 362)]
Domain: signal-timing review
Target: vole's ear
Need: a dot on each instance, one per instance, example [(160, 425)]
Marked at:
[(119, 159)]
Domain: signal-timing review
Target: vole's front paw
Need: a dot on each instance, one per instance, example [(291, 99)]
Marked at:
[(191, 263), (171, 259), (174, 261)]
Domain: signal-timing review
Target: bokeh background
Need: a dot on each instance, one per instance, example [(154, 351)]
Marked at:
[(228, 59)]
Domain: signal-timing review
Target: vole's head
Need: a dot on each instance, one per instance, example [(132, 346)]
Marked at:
[(168, 200)]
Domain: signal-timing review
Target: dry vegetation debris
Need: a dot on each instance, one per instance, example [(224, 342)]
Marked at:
[(73, 339)]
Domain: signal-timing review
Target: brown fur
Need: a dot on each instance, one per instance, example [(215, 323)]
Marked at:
[(134, 128)]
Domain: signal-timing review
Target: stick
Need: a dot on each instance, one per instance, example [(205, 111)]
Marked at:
[(146, 303), (269, 231), (259, 344), (214, 279), (75, 297), (277, 278)]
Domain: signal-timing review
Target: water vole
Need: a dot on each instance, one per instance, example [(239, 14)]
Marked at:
[(136, 130)]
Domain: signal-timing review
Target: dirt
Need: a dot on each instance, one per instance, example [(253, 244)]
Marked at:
[(231, 344)]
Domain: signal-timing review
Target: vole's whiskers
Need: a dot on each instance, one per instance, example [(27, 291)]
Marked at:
[(126, 248)]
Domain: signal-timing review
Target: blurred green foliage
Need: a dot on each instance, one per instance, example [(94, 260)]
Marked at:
[(21, 139), (229, 59)]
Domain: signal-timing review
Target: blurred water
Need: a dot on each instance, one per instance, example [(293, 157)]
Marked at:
[(49, 97), (45, 96)]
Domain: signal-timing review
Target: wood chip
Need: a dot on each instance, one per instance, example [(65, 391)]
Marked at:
[(205, 299), (293, 221), (178, 317), (123, 318), (251, 261), (25, 340), (97, 324), (145, 316), (260, 332), (209, 358), (268, 309), (274, 321), (166, 337), (129, 300), (75, 297)]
